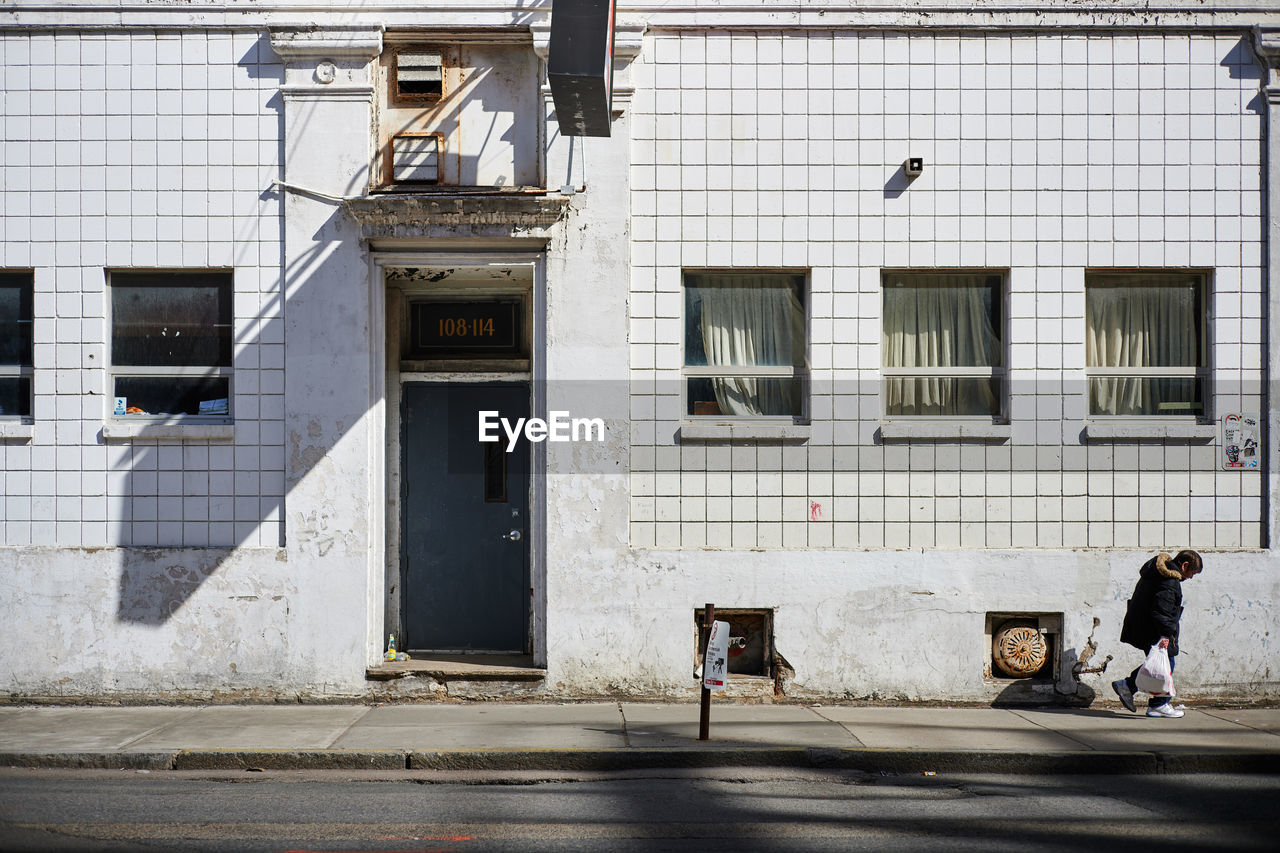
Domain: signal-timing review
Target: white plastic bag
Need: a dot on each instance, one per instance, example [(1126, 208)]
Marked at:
[(1156, 675)]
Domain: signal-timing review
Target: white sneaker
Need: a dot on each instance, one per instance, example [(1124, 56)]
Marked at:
[(1164, 711)]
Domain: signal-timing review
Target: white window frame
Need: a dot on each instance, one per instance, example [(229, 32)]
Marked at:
[(801, 373), (1000, 372), (23, 370), (169, 371), (1202, 371)]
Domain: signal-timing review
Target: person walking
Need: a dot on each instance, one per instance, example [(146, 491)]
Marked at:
[(1152, 617)]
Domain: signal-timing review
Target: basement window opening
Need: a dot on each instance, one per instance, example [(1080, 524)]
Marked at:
[(1022, 646), (750, 639)]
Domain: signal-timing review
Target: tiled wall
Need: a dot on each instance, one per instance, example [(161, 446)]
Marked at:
[(1045, 155), (141, 150)]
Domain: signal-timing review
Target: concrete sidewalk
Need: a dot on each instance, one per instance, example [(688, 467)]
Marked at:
[(619, 736)]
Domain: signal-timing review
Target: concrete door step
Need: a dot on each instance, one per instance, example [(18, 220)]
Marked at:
[(446, 668), (751, 687)]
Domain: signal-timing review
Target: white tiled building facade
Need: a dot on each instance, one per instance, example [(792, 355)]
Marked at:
[(261, 547), (1047, 155), (128, 150)]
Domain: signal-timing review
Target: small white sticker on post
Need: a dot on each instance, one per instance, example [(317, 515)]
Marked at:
[(715, 663)]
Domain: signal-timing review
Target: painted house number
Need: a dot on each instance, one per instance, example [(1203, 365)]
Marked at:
[(461, 327)]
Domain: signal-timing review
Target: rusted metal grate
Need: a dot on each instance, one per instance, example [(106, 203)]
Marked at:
[(1022, 645), (415, 158), (419, 75)]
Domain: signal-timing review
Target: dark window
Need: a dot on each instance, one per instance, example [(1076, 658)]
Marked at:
[(495, 472), (15, 344), (171, 343)]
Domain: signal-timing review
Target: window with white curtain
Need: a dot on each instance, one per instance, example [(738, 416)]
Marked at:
[(1145, 349), (942, 346), (15, 345), (171, 343), (744, 347)]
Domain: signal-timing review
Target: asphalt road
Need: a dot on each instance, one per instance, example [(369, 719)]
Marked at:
[(732, 810)]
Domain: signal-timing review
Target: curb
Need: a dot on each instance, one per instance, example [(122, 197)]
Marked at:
[(896, 761), (89, 760), (1219, 762), (881, 761), (289, 759)]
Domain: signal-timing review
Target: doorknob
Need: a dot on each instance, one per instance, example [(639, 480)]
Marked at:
[(514, 535)]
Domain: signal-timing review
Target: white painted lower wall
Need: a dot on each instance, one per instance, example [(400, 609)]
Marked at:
[(906, 624), (250, 623), (175, 624)]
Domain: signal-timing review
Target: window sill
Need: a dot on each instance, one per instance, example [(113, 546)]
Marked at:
[(744, 432), (1150, 432), (944, 431), (115, 431), (13, 431)]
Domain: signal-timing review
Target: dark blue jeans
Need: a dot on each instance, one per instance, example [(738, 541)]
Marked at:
[(1154, 701)]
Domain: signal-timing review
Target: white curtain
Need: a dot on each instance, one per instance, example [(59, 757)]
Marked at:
[(1151, 324), (752, 321), (941, 320)]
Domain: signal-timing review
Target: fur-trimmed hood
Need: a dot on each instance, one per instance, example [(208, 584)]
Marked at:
[(1155, 608), (1163, 566)]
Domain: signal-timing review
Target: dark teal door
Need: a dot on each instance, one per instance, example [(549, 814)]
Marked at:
[(465, 529)]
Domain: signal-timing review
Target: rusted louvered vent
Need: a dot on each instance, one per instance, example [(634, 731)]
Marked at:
[(419, 75), (415, 158)]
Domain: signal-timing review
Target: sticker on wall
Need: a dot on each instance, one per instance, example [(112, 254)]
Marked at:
[(1239, 441)]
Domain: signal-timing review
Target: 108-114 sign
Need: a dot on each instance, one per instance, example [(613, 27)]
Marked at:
[(461, 327), (465, 328)]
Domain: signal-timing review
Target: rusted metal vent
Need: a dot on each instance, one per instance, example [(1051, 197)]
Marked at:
[(415, 158), (1019, 649), (419, 75)]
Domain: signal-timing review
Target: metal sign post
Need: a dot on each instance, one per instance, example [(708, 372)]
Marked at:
[(715, 644), (704, 715)]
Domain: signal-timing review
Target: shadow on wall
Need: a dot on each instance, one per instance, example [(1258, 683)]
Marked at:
[(154, 583), (898, 183), (1029, 692), (1243, 64), (157, 580)]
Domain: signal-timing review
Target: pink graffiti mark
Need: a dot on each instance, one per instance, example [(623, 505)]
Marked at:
[(815, 511)]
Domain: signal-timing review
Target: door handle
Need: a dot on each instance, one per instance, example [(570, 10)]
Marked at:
[(513, 536)]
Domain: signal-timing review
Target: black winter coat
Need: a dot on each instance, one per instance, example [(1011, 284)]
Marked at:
[(1156, 606)]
